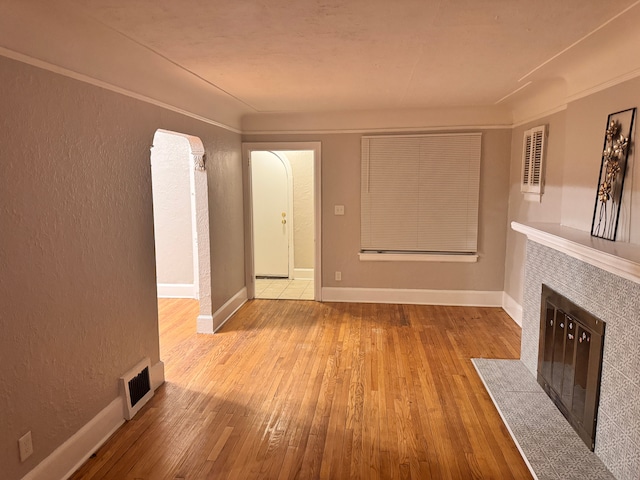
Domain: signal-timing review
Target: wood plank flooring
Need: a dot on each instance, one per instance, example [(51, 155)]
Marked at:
[(298, 389)]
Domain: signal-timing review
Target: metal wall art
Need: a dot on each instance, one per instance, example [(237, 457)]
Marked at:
[(612, 171)]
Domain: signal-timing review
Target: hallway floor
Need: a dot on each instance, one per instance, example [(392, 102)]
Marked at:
[(284, 289)]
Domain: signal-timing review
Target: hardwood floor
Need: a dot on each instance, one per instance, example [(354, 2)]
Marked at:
[(295, 389)]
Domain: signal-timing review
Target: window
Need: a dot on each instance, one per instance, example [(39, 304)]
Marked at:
[(419, 193)]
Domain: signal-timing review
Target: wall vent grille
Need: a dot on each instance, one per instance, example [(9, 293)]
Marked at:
[(139, 386), (533, 150), (136, 388)]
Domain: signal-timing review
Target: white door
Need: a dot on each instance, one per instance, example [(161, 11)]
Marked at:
[(270, 184)]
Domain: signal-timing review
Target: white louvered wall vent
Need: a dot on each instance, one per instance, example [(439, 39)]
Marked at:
[(135, 386), (533, 151)]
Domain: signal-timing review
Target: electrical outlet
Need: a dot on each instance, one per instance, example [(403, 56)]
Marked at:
[(26, 446), (338, 209), (338, 276)]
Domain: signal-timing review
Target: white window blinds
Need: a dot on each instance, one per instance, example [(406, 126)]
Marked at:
[(419, 193)]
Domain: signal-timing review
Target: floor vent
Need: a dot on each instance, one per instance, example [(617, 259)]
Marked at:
[(136, 388)]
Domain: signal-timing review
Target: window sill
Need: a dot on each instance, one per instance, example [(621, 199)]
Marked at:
[(418, 257)]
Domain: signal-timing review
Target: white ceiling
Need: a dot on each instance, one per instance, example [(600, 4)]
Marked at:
[(262, 56)]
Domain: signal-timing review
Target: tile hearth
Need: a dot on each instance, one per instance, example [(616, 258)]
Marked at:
[(551, 448)]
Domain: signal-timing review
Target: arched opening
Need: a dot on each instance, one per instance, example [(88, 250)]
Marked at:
[(181, 221)]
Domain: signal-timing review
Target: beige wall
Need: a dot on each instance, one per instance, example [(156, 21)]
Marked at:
[(574, 154), (586, 123), (341, 234), (76, 248)]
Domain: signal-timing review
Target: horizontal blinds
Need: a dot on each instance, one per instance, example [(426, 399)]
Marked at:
[(420, 193)]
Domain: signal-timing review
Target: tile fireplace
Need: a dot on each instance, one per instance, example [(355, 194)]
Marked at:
[(568, 268)]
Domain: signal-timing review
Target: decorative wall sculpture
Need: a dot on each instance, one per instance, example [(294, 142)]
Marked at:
[(612, 172)]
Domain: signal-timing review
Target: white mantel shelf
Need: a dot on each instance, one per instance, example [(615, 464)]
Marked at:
[(619, 258)]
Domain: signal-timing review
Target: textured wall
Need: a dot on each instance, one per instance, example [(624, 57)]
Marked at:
[(303, 211), (616, 301), (341, 234), (170, 165), (226, 211), (77, 264)]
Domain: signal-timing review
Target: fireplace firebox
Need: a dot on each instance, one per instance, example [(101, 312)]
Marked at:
[(570, 361)]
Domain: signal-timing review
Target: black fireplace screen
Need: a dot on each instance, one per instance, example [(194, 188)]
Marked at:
[(570, 361)]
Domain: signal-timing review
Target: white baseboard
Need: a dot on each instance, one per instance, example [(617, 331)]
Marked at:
[(204, 324), (70, 456), (413, 296), (176, 290), (157, 375), (303, 273), (211, 324), (225, 312), (513, 308)]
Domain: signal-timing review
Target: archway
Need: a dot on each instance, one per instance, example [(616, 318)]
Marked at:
[(199, 222)]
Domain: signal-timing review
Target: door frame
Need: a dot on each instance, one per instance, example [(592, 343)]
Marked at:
[(247, 148)]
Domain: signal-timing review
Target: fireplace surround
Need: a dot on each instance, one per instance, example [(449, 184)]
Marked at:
[(563, 259)]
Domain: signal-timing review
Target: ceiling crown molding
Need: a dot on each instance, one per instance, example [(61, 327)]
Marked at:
[(408, 120)]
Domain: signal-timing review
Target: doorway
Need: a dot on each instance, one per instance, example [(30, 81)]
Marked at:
[(283, 220), (181, 221)]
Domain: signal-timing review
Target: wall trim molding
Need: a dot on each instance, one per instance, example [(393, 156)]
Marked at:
[(471, 298), (157, 375), (319, 131), (225, 312), (604, 85), (213, 323), (513, 308), (568, 99), (70, 456), (34, 62), (535, 117), (176, 290), (303, 273), (433, 128), (204, 324)]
